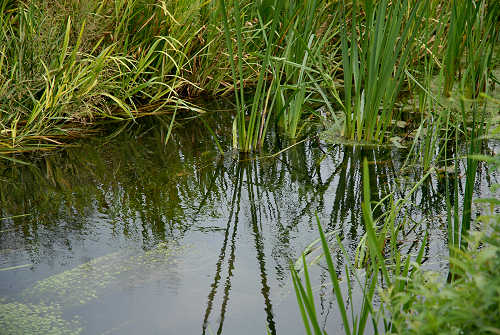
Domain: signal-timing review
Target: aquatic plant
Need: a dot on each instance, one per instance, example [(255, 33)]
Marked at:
[(411, 300), (431, 305), (382, 260), (249, 135), (473, 32), (112, 59), (18, 318), (283, 75), (376, 50), (67, 65)]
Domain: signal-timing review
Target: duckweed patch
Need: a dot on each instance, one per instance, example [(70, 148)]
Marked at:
[(17, 318), (86, 282)]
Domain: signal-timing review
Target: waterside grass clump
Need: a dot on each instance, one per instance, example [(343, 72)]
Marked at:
[(468, 305), (65, 66), (399, 296)]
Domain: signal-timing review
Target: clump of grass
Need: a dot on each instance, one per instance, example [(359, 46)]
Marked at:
[(249, 134), (66, 64), (284, 81), (473, 32), (376, 50), (414, 301), (385, 265), (430, 305)]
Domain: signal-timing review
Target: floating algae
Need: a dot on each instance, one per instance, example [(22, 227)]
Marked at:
[(85, 282), (17, 318)]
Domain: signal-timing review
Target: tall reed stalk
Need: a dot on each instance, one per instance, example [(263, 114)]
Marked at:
[(472, 35), (248, 135), (288, 37), (295, 65), (387, 264), (376, 49)]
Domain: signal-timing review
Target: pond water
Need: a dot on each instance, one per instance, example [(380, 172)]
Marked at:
[(132, 236)]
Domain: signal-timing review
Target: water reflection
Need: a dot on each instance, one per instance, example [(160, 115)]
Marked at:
[(246, 220)]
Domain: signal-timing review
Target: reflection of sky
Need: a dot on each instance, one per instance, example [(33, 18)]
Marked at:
[(95, 200)]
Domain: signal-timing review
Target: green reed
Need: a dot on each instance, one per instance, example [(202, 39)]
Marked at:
[(120, 60), (376, 50), (288, 37), (473, 32), (100, 60), (388, 266), (249, 135), (294, 63)]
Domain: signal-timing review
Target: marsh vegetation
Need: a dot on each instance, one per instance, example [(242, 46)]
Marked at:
[(148, 131)]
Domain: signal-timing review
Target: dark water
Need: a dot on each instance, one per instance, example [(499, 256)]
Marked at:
[(129, 236)]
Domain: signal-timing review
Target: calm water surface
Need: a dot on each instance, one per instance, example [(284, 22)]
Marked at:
[(132, 236)]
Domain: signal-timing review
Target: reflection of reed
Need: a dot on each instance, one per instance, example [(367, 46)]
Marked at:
[(227, 287), (243, 173), (259, 247), (235, 209), (155, 193)]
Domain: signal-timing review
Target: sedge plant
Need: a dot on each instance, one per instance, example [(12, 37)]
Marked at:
[(386, 266), (376, 49)]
